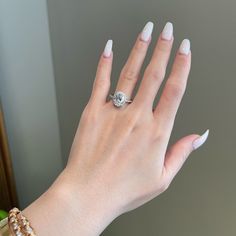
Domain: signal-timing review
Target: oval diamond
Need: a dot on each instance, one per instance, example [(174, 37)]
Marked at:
[(119, 99)]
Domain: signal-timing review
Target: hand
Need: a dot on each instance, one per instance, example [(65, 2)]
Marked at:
[(119, 158)]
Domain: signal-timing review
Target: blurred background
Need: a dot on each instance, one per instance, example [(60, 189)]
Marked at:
[(49, 52)]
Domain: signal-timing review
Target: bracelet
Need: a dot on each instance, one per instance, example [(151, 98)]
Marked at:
[(19, 224), (4, 228)]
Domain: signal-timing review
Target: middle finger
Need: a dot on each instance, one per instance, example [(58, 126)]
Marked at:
[(156, 69)]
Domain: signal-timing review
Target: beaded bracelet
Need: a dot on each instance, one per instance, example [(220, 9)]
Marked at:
[(18, 223), (4, 228)]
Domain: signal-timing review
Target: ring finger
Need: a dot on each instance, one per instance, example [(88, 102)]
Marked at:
[(131, 71)]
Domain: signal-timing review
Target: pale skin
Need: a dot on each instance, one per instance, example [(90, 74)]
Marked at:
[(119, 159)]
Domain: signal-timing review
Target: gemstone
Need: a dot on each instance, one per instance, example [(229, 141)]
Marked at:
[(24, 222), (12, 219), (19, 233), (119, 99), (15, 226), (29, 229)]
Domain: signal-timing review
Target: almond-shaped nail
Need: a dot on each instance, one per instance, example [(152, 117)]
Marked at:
[(147, 31), (199, 141), (108, 48), (167, 31), (185, 47)]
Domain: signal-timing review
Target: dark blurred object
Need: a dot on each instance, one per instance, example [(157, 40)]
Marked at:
[(8, 196)]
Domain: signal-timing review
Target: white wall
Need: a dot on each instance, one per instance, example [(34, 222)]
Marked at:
[(28, 96)]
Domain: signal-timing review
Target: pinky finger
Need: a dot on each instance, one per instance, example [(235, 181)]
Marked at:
[(101, 84)]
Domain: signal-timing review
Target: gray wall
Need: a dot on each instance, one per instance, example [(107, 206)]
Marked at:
[(201, 200), (28, 96)]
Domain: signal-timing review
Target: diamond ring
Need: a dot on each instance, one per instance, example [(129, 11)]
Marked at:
[(119, 99)]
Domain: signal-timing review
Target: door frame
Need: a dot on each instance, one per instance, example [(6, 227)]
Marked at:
[(6, 165)]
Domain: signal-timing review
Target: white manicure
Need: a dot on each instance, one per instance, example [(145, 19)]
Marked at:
[(108, 48), (199, 141), (185, 47), (167, 31), (147, 31)]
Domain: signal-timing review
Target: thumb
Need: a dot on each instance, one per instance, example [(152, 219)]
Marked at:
[(178, 153)]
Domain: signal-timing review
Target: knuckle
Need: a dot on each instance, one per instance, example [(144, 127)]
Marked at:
[(174, 90), (157, 74), (129, 74), (181, 62), (163, 46), (100, 82), (140, 47)]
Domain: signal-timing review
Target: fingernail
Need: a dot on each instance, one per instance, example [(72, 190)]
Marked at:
[(167, 32), (108, 48), (147, 31), (185, 47), (199, 141)]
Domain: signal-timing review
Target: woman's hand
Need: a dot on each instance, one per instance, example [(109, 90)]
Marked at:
[(119, 158)]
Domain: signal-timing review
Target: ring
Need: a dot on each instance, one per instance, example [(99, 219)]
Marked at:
[(119, 99)]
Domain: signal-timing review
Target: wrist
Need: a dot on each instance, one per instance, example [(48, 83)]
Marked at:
[(66, 210)]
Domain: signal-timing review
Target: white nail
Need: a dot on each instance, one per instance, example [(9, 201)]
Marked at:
[(108, 48), (167, 32), (147, 31), (199, 141), (185, 47)]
